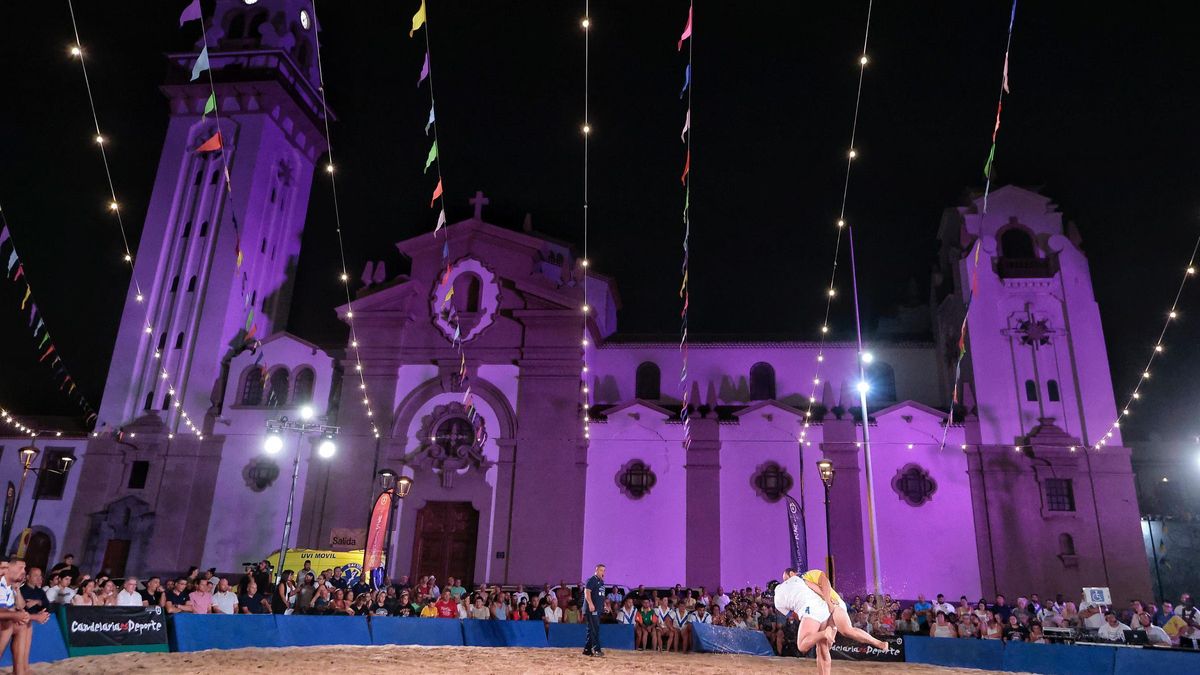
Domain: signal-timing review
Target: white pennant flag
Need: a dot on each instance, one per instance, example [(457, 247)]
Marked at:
[(687, 124), (441, 221)]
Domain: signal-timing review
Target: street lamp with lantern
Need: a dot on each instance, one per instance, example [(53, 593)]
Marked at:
[(273, 444), (825, 469), (396, 487), (29, 455)]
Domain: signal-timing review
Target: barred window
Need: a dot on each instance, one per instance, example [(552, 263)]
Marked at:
[(635, 479), (1060, 494)]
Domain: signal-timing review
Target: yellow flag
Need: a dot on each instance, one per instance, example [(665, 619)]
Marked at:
[(418, 19)]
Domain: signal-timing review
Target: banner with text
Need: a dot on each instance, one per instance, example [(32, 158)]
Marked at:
[(103, 630), (846, 649)]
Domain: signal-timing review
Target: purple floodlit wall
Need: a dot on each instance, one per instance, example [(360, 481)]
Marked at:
[(641, 540)]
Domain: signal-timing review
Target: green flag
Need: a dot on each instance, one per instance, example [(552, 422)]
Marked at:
[(432, 156), (987, 166), (45, 339), (211, 104)]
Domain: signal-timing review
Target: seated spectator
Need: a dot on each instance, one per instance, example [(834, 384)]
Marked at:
[(1013, 630), (772, 628), (627, 613), (1037, 636), (964, 607), (942, 628), (86, 595), (1022, 611), (1090, 615), (500, 608), (128, 596), (1001, 609), (32, 592), (66, 568), (1155, 634), (942, 606), (224, 601), (968, 627), (201, 598), (981, 612), (251, 601), (1164, 614), (907, 625), (61, 593), (176, 597), (521, 613), (153, 593), (1069, 617), (645, 624), (480, 611), (446, 606), (994, 630), (107, 595), (1112, 630), (362, 604), (572, 613)]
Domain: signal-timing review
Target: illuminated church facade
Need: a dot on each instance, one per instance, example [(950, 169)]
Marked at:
[(1005, 496)]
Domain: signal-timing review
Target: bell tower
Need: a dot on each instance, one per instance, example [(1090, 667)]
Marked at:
[(221, 241)]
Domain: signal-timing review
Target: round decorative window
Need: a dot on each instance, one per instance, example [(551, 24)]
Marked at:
[(305, 21), (771, 481), (913, 485), (635, 479), (260, 474)]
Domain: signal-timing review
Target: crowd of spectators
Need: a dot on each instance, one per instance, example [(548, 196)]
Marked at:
[(661, 617)]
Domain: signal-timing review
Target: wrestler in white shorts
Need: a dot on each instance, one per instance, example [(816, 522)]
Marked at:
[(793, 595)]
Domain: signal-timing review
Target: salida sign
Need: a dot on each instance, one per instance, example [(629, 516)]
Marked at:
[(347, 539), (133, 628)]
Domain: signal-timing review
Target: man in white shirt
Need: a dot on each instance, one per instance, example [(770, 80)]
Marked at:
[(128, 596), (627, 613), (224, 601), (1092, 615), (1112, 630), (61, 593), (1155, 634), (942, 606), (553, 613), (722, 598)]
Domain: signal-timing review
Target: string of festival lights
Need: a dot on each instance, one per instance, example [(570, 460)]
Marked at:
[(37, 323), (421, 20), (686, 179), (586, 25), (337, 219), (974, 283), (1155, 352), (77, 51), (831, 290)]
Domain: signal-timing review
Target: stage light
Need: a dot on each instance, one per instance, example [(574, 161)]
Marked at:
[(273, 443), (306, 412), (863, 387), (327, 448), (868, 357)]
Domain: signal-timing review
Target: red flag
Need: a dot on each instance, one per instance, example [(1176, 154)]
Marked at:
[(211, 144), (687, 164), (437, 192), (49, 351), (20, 272), (376, 532)]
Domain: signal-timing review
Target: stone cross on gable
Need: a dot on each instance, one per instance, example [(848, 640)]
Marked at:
[(479, 201)]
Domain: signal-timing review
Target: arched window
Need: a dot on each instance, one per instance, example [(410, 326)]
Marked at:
[(648, 383), (216, 175), (882, 381), (204, 229), (192, 284), (473, 291), (762, 382), (167, 402), (199, 177), (162, 341), (175, 284), (277, 388), (303, 389), (1066, 544), (149, 401), (179, 341), (635, 479), (252, 386), (1052, 393), (1031, 390), (187, 230), (1016, 243)]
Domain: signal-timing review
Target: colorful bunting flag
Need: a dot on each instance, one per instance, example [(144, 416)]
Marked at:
[(687, 163), (687, 30), (28, 292), (687, 124), (212, 144), (4, 235), (32, 313), (441, 221), (687, 80), (427, 125), (424, 70), (437, 192), (211, 104), (190, 13), (48, 352), (12, 260), (201, 64), (45, 339), (20, 271), (987, 166), (433, 154), (418, 19)]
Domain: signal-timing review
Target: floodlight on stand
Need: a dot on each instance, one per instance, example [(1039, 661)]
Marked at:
[(326, 448), (306, 413), (273, 443)]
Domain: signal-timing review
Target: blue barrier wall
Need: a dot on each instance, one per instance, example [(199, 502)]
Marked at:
[(197, 632), (982, 654), (312, 631), (390, 630), (723, 640), (574, 635), (481, 633), (48, 644), (1145, 661), (1023, 657)]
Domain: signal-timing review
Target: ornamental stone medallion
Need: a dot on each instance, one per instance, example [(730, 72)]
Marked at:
[(451, 442)]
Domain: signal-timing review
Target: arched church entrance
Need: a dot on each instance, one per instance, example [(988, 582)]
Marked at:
[(444, 542), (37, 551), (119, 536)]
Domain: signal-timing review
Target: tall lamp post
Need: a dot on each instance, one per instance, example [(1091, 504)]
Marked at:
[(825, 468), (273, 445), (29, 454), (396, 488)]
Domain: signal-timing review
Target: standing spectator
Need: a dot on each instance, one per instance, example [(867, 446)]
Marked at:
[(593, 601), (252, 600), (1112, 630), (1001, 609), (306, 593), (920, 609), (1090, 615), (722, 598), (281, 598), (66, 567), (61, 593), (128, 596), (262, 575), (337, 580), (224, 601), (86, 595), (201, 598), (942, 606)]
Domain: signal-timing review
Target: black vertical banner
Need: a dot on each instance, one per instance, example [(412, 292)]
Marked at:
[(797, 537)]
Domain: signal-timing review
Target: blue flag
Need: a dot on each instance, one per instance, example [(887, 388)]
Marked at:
[(797, 536), (201, 64), (687, 80)]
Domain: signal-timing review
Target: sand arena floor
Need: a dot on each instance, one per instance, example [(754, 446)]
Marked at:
[(458, 660)]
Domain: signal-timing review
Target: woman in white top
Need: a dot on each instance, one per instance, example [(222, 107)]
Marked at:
[(86, 595), (942, 628)]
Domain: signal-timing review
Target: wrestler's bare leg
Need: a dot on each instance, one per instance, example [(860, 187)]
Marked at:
[(824, 656), (842, 620), (811, 633)]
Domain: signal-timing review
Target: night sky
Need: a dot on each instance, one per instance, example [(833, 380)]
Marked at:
[(1101, 117)]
